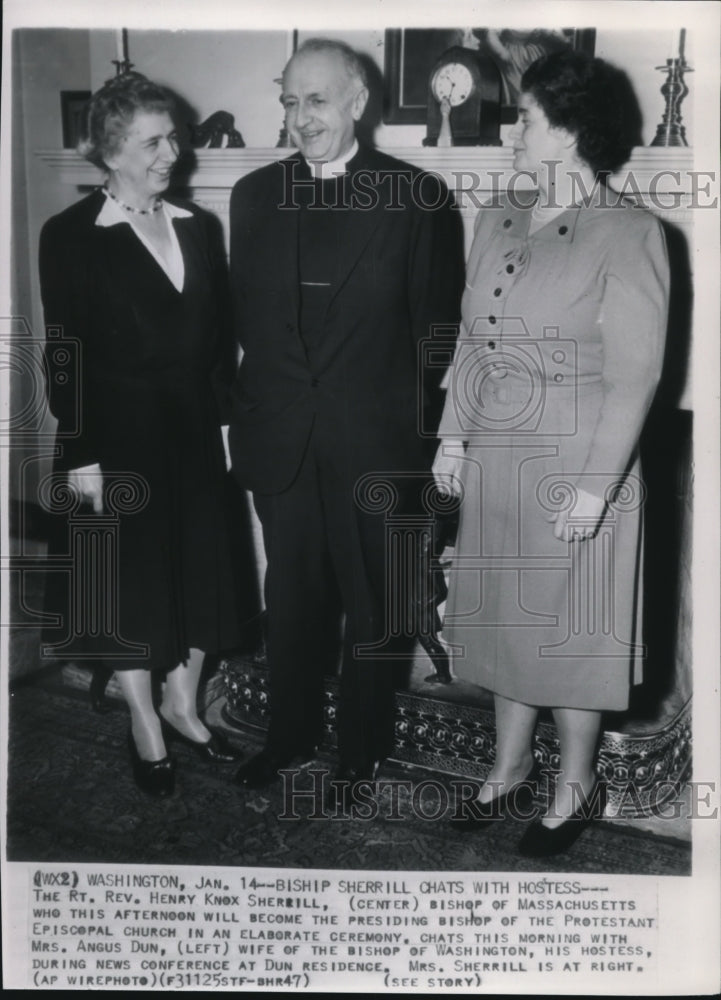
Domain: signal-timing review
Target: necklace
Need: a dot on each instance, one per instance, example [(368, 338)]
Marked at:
[(129, 208)]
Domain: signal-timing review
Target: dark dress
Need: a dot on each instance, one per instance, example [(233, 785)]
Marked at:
[(136, 376)]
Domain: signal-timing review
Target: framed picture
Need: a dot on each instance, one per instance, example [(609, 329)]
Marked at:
[(72, 108), (411, 52)]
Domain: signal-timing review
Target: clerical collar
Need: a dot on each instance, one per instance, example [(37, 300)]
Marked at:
[(324, 170)]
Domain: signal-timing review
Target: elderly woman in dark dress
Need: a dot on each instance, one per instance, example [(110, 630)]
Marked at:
[(564, 322), (139, 281)]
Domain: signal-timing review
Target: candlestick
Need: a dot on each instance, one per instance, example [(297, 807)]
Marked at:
[(671, 131), (122, 63)]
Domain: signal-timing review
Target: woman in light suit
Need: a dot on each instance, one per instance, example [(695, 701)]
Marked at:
[(139, 282), (564, 321)]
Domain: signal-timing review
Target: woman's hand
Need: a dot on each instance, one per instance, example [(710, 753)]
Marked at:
[(88, 483), (582, 521), (448, 466)]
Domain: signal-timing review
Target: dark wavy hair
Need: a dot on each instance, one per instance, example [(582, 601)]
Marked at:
[(592, 100), (111, 110)]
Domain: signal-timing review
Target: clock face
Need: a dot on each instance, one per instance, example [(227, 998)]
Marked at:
[(452, 82)]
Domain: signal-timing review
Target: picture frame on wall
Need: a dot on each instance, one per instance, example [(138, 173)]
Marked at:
[(72, 108), (411, 52)]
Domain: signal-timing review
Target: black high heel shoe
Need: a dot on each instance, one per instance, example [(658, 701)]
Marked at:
[(518, 798), (155, 777), (216, 748), (541, 841)]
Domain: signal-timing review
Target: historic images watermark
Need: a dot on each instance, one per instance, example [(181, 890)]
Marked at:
[(432, 800), (390, 190)]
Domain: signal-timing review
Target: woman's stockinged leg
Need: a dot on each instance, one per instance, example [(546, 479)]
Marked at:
[(136, 686), (578, 733), (179, 705), (515, 724)]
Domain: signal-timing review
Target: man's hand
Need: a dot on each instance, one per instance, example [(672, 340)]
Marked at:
[(88, 483), (582, 521), (448, 466)]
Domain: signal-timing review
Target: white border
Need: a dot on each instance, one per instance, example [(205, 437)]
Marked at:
[(689, 908)]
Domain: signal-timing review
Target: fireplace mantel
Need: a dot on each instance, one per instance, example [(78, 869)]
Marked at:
[(221, 168), (474, 173)]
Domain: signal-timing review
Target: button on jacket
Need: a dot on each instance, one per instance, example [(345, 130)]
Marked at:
[(559, 356)]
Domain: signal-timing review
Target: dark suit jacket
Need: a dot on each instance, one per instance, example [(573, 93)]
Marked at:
[(399, 274), (124, 347)]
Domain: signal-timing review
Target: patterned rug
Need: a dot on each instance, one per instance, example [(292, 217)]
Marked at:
[(71, 798)]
